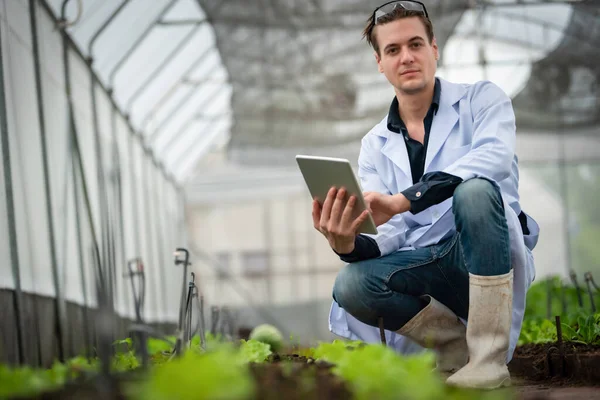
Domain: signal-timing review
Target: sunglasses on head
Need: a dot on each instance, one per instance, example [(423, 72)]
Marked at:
[(409, 5)]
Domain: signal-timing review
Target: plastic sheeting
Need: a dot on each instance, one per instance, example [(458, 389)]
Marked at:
[(159, 59), (304, 81), (144, 205)]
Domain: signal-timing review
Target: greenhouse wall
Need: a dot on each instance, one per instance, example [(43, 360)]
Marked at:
[(49, 229)]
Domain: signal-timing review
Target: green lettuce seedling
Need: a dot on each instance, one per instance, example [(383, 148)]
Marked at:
[(220, 374), (254, 351), (268, 334)]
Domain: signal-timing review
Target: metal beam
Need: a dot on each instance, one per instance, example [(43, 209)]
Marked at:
[(106, 262), (175, 138), (177, 22), (137, 43), (210, 130), (78, 52), (169, 92), (104, 25), (61, 318), (160, 238), (168, 59), (191, 153), (75, 153), (10, 215), (546, 25)]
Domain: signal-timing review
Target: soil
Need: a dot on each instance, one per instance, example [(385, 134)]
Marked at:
[(547, 393), (578, 364), (294, 377)]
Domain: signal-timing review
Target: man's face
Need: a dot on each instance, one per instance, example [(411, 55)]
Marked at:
[(406, 58)]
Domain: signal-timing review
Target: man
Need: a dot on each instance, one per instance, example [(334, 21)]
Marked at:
[(441, 181)]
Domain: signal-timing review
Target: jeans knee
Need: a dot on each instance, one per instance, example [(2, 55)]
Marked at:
[(355, 290), (474, 200), (346, 285)]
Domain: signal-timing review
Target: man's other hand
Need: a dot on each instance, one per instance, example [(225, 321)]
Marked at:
[(334, 220), (384, 206)]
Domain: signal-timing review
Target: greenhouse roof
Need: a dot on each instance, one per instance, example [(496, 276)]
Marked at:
[(269, 79)]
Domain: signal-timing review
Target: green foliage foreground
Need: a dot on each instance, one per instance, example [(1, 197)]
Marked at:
[(222, 373), (552, 298)]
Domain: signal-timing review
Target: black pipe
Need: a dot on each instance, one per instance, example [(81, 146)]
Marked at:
[(182, 301), (573, 277), (134, 196), (118, 191), (563, 298), (61, 319), (83, 275), (106, 266), (588, 281), (160, 238), (105, 224), (549, 294), (214, 319), (187, 337), (148, 218), (10, 214), (201, 326), (76, 152)]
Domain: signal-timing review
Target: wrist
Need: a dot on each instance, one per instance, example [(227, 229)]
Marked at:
[(401, 203), (345, 248)]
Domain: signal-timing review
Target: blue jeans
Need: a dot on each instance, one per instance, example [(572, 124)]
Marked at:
[(391, 286)]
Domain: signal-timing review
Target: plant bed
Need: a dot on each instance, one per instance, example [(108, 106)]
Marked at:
[(246, 371), (579, 363), (294, 377), (290, 378)]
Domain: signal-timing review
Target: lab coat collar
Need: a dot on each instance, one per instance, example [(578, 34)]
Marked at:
[(443, 122)]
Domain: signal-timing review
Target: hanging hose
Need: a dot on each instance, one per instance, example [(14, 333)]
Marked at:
[(200, 326), (573, 277), (214, 319), (549, 299), (182, 303), (589, 280)]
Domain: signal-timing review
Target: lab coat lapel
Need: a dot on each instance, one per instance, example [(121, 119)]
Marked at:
[(395, 149), (444, 120)]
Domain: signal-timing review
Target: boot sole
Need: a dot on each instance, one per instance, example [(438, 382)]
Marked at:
[(505, 383)]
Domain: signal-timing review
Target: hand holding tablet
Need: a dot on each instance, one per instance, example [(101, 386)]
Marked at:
[(321, 174)]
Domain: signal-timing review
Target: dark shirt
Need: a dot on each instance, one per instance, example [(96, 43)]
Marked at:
[(431, 188)]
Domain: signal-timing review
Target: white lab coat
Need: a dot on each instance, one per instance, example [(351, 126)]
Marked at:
[(472, 135)]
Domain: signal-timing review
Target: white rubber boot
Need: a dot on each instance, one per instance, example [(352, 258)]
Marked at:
[(488, 333), (437, 327)]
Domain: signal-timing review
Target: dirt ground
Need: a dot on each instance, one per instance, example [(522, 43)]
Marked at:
[(276, 382), (293, 377), (542, 391), (540, 374)]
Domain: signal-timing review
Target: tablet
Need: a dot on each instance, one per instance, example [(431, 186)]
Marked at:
[(322, 173)]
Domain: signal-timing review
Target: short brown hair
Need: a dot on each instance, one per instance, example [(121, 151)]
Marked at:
[(399, 13)]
